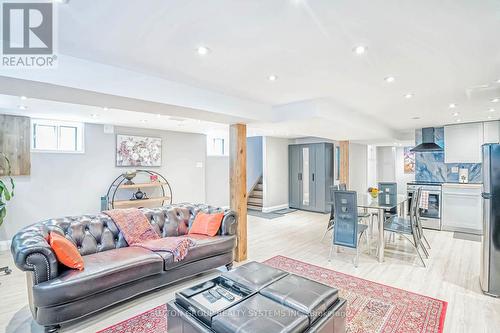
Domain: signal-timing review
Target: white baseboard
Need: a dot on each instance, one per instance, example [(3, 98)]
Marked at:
[(273, 208), (5, 245)]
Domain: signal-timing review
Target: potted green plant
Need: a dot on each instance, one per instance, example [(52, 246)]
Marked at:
[(5, 193)]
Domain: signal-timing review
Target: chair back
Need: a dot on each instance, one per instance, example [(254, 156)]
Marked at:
[(414, 213), (418, 221), (388, 194), (346, 218), (343, 187), (332, 206)]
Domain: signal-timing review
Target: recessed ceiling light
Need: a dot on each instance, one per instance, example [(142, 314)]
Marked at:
[(158, 115), (105, 108), (23, 107), (491, 110), (360, 49), (495, 100), (273, 77), (458, 120), (498, 81), (203, 50), (144, 121), (409, 95), (23, 98), (452, 105), (94, 115), (490, 117), (455, 114), (390, 79)]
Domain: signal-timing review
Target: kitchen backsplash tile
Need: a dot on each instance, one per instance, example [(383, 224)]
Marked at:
[(430, 167)]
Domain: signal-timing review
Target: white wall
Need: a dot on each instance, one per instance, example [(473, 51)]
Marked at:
[(358, 163), (217, 181), (386, 164), (254, 160), (71, 184), (390, 167), (275, 172), (372, 166)]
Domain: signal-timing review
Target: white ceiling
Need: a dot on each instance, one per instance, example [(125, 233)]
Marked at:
[(440, 51)]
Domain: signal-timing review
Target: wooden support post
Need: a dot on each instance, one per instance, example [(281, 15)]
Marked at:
[(344, 162), (238, 184)]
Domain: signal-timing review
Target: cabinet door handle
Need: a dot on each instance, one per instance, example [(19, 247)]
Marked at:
[(313, 176), (300, 176)]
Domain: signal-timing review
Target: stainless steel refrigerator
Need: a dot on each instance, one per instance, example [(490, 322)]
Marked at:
[(490, 261)]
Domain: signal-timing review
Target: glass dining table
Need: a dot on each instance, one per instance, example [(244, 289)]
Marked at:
[(367, 202)]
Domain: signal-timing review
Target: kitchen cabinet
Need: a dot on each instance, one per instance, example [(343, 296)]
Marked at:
[(311, 176), (462, 208), (462, 143), (491, 131)]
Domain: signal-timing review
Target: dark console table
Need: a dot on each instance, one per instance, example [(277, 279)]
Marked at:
[(257, 298)]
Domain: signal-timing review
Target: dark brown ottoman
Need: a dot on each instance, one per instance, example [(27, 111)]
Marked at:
[(308, 297), (254, 275), (270, 301), (260, 314)]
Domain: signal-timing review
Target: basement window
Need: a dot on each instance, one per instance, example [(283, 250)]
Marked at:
[(56, 136)]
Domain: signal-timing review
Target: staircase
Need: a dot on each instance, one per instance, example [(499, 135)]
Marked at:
[(255, 196)]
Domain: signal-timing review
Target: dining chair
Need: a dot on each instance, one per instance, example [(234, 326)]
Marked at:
[(348, 230), (343, 187), (388, 191), (419, 224), (331, 222), (408, 226)]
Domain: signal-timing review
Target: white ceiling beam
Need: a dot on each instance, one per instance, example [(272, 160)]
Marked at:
[(101, 78)]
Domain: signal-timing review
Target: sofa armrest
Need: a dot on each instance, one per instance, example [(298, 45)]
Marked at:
[(32, 252), (229, 224)]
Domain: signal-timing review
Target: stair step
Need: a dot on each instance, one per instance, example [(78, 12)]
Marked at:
[(258, 187), (256, 194), (257, 201), (252, 207)]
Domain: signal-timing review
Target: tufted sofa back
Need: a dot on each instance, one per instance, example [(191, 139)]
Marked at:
[(97, 233)]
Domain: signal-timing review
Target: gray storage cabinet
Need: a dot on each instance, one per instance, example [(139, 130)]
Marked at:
[(311, 175)]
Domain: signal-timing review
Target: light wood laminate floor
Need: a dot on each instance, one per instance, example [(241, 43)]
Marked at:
[(452, 274)]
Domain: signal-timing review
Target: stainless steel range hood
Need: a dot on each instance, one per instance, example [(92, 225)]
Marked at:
[(428, 144)]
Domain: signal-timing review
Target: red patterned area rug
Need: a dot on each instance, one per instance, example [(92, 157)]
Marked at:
[(372, 307)]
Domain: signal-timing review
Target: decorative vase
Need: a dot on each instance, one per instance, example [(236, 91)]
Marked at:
[(139, 195), (129, 175)]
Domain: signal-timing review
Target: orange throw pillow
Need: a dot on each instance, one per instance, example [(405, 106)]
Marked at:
[(66, 252), (206, 224)]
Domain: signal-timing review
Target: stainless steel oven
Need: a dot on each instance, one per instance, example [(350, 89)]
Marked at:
[(431, 217)]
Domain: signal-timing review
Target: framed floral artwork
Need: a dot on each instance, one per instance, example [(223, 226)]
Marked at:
[(138, 151), (409, 160)]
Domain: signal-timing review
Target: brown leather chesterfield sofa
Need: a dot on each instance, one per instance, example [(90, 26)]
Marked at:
[(114, 272)]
